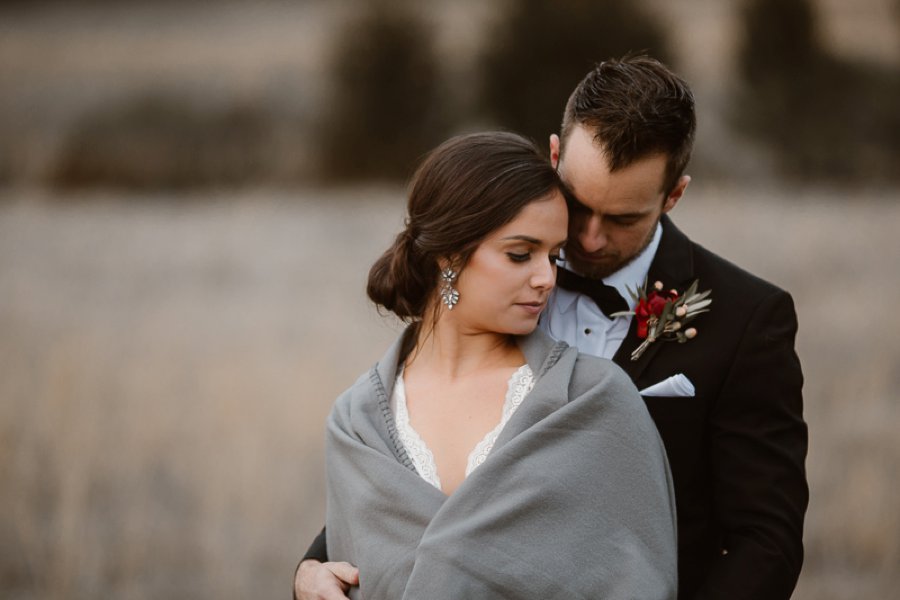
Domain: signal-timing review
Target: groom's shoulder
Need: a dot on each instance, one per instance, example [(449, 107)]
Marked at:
[(713, 269)]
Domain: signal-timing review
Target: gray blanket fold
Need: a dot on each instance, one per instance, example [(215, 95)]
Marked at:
[(574, 501)]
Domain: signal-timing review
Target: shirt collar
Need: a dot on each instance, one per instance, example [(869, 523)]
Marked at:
[(631, 275)]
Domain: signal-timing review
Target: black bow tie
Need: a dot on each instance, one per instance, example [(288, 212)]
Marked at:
[(607, 297)]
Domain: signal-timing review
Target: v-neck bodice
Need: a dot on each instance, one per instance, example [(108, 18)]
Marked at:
[(520, 383)]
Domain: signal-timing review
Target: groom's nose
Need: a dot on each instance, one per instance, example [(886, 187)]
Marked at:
[(591, 235)]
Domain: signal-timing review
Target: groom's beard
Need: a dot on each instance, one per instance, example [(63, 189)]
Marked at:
[(604, 263)]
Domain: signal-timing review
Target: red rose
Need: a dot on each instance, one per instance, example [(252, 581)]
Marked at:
[(642, 313), (642, 309), (642, 327), (657, 303)]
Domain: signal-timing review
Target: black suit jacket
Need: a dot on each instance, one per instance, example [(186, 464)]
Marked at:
[(737, 448)]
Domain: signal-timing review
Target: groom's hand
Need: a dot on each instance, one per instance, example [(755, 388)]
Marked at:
[(324, 581)]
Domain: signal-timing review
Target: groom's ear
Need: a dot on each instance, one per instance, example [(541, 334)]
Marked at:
[(677, 192), (554, 150)]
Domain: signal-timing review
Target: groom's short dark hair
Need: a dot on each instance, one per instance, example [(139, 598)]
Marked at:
[(635, 107)]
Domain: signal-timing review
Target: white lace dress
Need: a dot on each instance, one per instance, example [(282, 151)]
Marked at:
[(519, 385)]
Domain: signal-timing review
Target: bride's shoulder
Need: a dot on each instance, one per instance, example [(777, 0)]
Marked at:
[(592, 374), (592, 367)]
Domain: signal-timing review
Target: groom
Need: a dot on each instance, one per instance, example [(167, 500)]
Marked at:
[(731, 414), (727, 402)]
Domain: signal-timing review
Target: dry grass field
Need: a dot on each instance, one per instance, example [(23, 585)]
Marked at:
[(166, 366), (166, 363)]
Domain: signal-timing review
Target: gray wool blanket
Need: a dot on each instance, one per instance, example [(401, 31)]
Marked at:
[(574, 501)]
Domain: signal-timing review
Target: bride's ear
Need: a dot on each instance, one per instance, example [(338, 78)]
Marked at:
[(449, 262), (443, 262)]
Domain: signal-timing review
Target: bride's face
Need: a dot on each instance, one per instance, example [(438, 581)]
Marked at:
[(506, 283)]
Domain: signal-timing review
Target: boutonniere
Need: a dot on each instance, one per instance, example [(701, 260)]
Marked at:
[(663, 315)]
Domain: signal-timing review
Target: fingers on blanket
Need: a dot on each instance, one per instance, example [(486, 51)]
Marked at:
[(344, 571), (325, 581)]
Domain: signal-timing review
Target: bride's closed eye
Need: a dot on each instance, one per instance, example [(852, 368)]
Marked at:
[(515, 257)]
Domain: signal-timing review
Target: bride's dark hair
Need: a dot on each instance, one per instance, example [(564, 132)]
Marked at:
[(465, 189)]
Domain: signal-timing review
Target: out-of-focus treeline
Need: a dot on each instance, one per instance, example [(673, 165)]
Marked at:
[(170, 346), (393, 78)]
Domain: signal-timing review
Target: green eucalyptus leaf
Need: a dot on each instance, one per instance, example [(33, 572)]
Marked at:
[(701, 295), (693, 288), (643, 290), (694, 306)]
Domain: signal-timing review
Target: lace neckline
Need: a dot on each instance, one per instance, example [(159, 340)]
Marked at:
[(520, 383)]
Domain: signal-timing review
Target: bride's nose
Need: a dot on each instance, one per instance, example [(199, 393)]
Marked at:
[(544, 275)]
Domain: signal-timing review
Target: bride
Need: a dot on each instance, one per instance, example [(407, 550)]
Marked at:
[(479, 458)]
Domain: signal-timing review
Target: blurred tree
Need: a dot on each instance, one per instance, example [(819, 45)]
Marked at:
[(538, 51), (821, 116), (386, 108), (164, 141)]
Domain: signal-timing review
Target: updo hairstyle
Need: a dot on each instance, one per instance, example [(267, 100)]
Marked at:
[(466, 188)]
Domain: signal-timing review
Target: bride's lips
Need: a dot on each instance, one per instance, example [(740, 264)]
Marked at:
[(533, 308)]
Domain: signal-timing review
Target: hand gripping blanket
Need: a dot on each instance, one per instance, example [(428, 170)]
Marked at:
[(575, 500)]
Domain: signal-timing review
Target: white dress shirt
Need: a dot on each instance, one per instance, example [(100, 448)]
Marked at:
[(577, 320)]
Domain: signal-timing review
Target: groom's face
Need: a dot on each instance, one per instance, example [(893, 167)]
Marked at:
[(612, 215)]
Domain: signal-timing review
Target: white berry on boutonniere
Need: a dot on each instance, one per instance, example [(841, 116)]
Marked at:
[(662, 315)]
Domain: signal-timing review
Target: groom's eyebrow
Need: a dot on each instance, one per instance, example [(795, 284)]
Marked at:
[(631, 215), (570, 197)]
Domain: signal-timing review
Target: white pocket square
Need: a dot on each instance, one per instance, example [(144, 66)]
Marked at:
[(676, 385)]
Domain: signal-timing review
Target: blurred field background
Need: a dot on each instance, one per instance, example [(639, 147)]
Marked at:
[(183, 255)]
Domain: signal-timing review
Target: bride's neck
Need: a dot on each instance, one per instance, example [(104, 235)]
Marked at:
[(452, 353)]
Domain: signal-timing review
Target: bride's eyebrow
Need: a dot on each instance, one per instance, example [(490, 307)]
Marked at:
[(531, 240), (523, 238)]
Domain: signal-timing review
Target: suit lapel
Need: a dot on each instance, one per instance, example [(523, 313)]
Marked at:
[(674, 266)]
